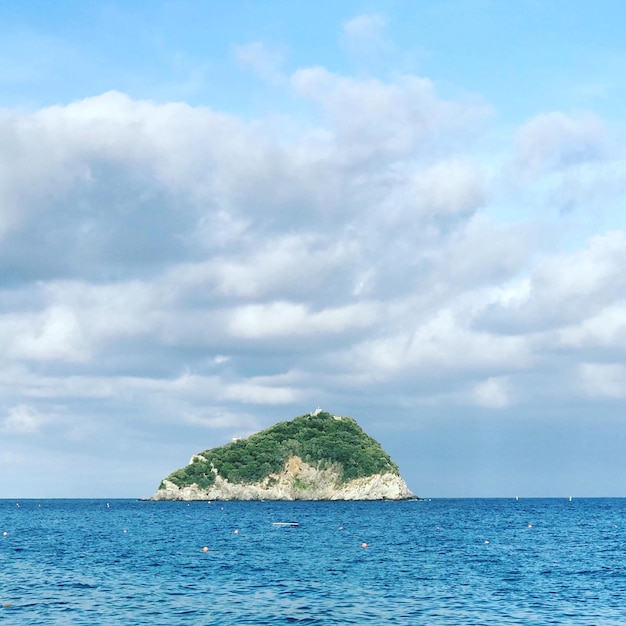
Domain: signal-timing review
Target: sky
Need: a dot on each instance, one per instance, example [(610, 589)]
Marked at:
[(215, 216)]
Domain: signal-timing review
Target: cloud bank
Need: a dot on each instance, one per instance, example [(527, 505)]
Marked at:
[(177, 271)]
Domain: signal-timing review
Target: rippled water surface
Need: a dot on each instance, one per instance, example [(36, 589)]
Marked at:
[(481, 562)]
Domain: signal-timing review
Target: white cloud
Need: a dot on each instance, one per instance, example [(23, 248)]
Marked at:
[(22, 419), (364, 35), (606, 329), (448, 187), (492, 393), (218, 418), (264, 61), (603, 380), (54, 334), (286, 264), (73, 320), (365, 26), (376, 120), (437, 347), (363, 257), (252, 393), (565, 289), (287, 319), (555, 140)]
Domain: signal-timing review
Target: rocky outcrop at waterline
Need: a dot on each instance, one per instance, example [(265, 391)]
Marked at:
[(318, 456)]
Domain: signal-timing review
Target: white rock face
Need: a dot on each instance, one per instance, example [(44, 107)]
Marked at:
[(297, 481)]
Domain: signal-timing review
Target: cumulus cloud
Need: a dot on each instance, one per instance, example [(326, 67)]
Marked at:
[(564, 289), (449, 187), (606, 329), (289, 319), (438, 345), (555, 140), (566, 162), (151, 238), (53, 334), (176, 269), (373, 120)]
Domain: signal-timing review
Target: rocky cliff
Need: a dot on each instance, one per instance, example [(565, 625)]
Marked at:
[(298, 481), (314, 457)]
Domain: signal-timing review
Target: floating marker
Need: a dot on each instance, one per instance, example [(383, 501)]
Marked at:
[(5, 534), (364, 545), (205, 549)]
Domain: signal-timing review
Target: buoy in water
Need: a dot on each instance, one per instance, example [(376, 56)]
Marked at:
[(205, 549), (5, 534), (236, 531), (364, 545), (486, 542)]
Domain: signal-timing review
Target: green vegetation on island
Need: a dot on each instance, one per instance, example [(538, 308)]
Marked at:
[(319, 439)]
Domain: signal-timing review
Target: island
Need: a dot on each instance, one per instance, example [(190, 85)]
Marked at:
[(317, 456)]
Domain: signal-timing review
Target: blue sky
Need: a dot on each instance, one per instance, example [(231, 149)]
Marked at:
[(215, 216)]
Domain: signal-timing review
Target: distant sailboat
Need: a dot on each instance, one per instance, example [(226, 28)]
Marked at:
[(570, 498)]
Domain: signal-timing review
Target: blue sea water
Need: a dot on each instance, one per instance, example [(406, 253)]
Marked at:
[(466, 561)]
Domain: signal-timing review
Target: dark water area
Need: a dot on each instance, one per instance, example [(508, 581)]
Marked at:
[(473, 561)]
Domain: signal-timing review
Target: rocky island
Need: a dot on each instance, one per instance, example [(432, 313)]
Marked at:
[(317, 456)]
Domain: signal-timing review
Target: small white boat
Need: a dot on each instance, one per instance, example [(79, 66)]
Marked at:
[(285, 524)]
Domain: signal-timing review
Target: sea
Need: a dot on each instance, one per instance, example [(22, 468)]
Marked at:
[(431, 562)]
